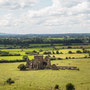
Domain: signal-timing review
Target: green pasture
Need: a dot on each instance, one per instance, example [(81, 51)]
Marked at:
[(56, 55), (73, 46), (67, 50), (22, 53), (40, 45), (69, 55), (46, 79), (25, 50), (14, 57), (10, 57)]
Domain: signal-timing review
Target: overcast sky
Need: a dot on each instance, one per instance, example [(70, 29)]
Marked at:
[(44, 16)]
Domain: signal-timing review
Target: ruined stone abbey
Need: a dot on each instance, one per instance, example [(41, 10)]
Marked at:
[(38, 63)]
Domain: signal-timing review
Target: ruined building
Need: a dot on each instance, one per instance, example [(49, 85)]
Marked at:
[(38, 63)]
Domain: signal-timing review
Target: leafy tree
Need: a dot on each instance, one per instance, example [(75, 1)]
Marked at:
[(57, 52), (70, 86), (61, 53), (67, 58), (78, 51), (70, 52), (54, 67), (53, 52), (52, 58), (69, 47), (89, 54), (57, 87), (22, 67), (47, 52), (10, 81), (25, 57)]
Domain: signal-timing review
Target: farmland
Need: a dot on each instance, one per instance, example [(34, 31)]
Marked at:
[(62, 51), (46, 79), (22, 52)]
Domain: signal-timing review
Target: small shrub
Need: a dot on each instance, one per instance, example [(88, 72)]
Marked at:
[(86, 57), (69, 47), (52, 58), (40, 50), (89, 54), (85, 51), (47, 53), (25, 57), (34, 51), (67, 58), (53, 52), (70, 86), (70, 52), (56, 87), (59, 58), (10, 81), (54, 67), (22, 67), (61, 53), (57, 52), (73, 57), (78, 51)]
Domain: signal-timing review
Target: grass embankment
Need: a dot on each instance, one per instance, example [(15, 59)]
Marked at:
[(47, 79)]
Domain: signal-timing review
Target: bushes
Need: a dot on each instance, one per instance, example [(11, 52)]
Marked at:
[(60, 53), (52, 58), (22, 67), (56, 87), (11, 61), (4, 53), (40, 50), (25, 57), (85, 51), (47, 52), (10, 81), (69, 47), (32, 52), (53, 52), (70, 86), (70, 52), (54, 67), (59, 59), (78, 51), (67, 58), (57, 52)]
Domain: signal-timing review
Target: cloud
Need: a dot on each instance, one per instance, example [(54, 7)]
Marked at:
[(62, 14), (17, 4)]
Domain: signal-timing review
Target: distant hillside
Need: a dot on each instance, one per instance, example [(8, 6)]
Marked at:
[(2, 33)]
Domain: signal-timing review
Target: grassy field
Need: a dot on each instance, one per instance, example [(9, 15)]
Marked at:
[(23, 51), (46, 79), (63, 56), (14, 57), (73, 46)]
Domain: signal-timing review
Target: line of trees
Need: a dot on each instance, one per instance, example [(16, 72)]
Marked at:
[(27, 41)]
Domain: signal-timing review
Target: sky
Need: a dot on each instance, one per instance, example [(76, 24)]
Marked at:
[(44, 16)]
